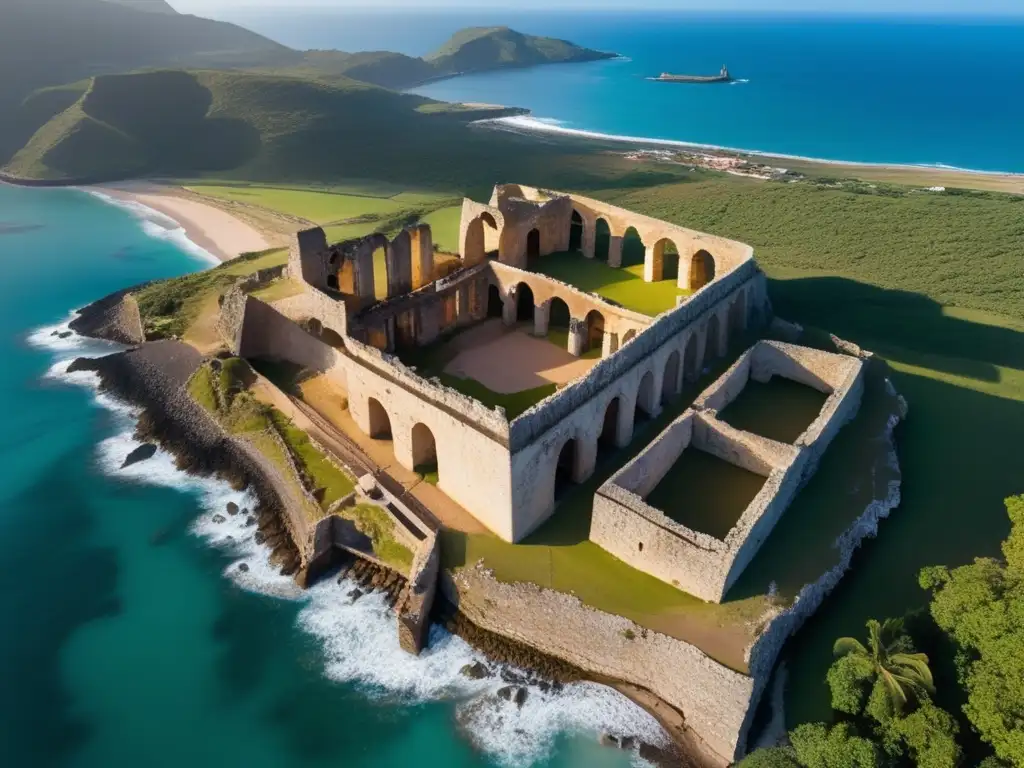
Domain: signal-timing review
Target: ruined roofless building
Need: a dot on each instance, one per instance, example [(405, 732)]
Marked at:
[(505, 472)]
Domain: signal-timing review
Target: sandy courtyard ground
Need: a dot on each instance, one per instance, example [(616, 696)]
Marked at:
[(511, 360)]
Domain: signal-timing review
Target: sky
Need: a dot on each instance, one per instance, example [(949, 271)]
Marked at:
[(929, 7)]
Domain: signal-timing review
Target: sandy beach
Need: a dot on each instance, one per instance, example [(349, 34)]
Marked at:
[(212, 229)]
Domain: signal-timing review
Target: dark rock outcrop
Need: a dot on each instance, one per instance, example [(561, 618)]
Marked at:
[(143, 452), (113, 318), (476, 671)]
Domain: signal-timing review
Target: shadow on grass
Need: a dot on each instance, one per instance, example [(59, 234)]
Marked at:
[(883, 320)]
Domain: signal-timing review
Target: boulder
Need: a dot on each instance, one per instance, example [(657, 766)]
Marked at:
[(143, 452), (514, 694), (243, 567), (232, 508), (355, 594), (250, 521), (219, 519), (476, 671)]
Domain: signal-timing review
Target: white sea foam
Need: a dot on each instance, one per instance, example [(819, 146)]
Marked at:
[(360, 637), (532, 124), (158, 225)]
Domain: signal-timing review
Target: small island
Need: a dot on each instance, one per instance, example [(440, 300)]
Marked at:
[(722, 77)]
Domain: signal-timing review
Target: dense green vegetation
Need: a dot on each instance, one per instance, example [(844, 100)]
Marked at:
[(483, 48), (883, 693), (169, 307)]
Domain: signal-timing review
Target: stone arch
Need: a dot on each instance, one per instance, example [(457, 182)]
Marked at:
[(424, 450), (602, 240), (380, 422), (634, 252), (670, 381), (525, 303), (495, 304), (646, 401), (691, 366), (532, 245), (628, 337), (702, 269), (314, 327), (575, 231), (565, 467), (594, 338), (664, 256), (711, 344), (474, 246), (558, 314)]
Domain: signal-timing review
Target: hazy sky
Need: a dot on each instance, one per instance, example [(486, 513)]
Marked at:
[(1014, 7)]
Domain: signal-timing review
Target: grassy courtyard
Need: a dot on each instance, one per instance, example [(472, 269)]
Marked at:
[(625, 285), (779, 409)]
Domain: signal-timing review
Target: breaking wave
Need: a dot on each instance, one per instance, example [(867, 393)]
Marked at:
[(359, 634)]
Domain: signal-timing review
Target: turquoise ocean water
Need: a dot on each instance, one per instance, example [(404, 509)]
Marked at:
[(130, 637), (934, 91)]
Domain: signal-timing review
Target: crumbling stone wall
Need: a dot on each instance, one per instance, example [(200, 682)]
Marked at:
[(625, 525)]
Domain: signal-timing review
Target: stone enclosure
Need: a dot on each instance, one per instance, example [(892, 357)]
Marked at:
[(627, 526)]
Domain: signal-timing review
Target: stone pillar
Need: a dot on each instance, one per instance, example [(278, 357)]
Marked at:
[(363, 268), (399, 261), (422, 256), (586, 460), (654, 265), (508, 310), (723, 332), (683, 280), (463, 311), (609, 344), (589, 239), (577, 336), (624, 427), (615, 251), (541, 317)]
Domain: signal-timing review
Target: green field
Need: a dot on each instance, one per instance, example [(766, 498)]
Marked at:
[(317, 207), (624, 285)]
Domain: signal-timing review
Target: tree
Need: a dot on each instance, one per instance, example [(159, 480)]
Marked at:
[(887, 664), (773, 757), (927, 735), (818, 746), (981, 606)]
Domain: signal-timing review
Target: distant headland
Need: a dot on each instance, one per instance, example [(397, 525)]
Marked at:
[(722, 77)]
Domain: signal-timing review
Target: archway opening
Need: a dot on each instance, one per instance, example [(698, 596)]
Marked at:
[(494, 302), (670, 383), (565, 469), (524, 303), (380, 422), (602, 240), (575, 231), (424, 454), (702, 270), (314, 327), (607, 441), (346, 278), (558, 322), (532, 246), (645, 405), (628, 336), (474, 248), (633, 249), (595, 331), (711, 345), (667, 255), (691, 370)]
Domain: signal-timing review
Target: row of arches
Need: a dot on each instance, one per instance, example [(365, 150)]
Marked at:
[(584, 334), (644, 397), (422, 443), (374, 268), (661, 259)]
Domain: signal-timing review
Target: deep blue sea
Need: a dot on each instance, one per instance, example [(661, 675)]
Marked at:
[(130, 637), (940, 91)]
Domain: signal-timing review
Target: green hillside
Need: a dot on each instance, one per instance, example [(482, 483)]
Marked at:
[(383, 68), (241, 124), (152, 6), (50, 42), (482, 48)]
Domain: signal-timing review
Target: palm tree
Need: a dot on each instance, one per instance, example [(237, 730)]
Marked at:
[(904, 675)]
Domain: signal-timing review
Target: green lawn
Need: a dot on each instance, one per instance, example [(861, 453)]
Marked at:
[(444, 227), (625, 286), (380, 528), (318, 207), (514, 404), (331, 482)]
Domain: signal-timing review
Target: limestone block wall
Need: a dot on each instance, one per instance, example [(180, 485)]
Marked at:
[(714, 699), (632, 530)]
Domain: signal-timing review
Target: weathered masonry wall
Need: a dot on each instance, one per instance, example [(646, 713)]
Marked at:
[(713, 698), (629, 528), (646, 372)]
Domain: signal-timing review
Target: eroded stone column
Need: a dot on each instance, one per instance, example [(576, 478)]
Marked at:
[(541, 317), (363, 268), (624, 425), (683, 279), (615, 251), (609, 344), (509, 310), (589, 239), (654, 265), (577, 336)]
